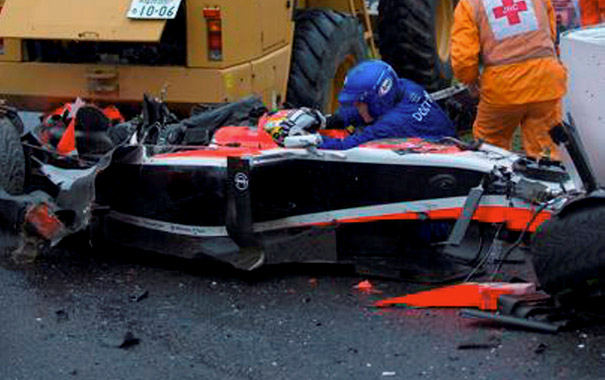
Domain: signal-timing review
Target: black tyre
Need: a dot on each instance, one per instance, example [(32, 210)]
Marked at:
[(16, 121), (13, 116), (326, 45), (97, 238), (12, 159), (414, 38), (568, 252)]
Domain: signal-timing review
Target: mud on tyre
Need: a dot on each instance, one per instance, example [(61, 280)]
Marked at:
[(414, 38), (326, 45), (12, 159), (568, 253)]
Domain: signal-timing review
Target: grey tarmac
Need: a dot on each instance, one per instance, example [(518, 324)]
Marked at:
[(131, 315)]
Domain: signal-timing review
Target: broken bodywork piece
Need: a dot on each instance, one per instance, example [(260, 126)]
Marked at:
[(470, 294), (513, 304), (534, 311), (63, 155), (53, 198), (39, 217)]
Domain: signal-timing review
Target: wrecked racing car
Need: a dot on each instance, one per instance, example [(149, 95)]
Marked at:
[(191, 189)]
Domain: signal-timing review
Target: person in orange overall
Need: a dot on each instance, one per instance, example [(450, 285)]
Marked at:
[(591, 12), (506, 49)]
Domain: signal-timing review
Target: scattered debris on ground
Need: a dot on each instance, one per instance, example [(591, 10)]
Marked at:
[(62, 316), (139, 296), (125, 341)]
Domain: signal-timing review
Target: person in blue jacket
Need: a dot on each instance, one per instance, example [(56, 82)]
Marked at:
[(382, 106)]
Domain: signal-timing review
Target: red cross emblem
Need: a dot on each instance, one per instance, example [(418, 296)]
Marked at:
[(510, 9)]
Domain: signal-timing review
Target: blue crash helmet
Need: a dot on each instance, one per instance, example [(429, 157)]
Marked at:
[(373, 82)]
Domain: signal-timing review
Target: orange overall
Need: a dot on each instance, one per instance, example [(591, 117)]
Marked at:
[(522, 81), (591, 12)]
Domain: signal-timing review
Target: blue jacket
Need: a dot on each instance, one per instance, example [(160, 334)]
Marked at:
[(416, 115)]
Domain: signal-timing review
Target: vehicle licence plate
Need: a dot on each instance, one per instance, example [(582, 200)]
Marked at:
[(153, 9)]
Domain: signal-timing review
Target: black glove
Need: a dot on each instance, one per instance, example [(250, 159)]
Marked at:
[(121, 132), (335, 122), (172, 134)]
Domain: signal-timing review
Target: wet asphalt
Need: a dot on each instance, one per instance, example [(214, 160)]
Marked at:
[(131, 315)]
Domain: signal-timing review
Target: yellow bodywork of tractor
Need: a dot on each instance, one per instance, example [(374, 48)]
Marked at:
[(210, 52)]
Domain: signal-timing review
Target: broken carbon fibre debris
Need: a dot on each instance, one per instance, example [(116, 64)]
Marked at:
[(138, 297), (126, 341)]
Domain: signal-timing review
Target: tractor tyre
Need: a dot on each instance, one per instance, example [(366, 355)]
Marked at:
[(327, 44), (12, 159), (568, 253), (414, 37)]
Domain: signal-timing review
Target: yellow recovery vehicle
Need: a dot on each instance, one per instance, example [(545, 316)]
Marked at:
[(211, 51)]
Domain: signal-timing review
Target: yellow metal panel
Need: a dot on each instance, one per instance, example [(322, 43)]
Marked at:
[(93, 20), (11, 50), (270, 76), (339, 5), (241, 32), (21, 82), (275, 21), (187, 85)]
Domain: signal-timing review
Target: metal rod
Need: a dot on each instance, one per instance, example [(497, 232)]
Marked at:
[(510, 320)]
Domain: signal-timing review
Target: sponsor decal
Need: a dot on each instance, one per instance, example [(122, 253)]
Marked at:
[(385, 87), (415, 97), (423, 109), (179, 229), (241, 181)]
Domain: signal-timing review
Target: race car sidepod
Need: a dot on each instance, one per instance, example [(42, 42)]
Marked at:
[(250, 206)]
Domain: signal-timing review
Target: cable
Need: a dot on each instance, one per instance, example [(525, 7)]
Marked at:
[(484, 258), (520, 238)]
